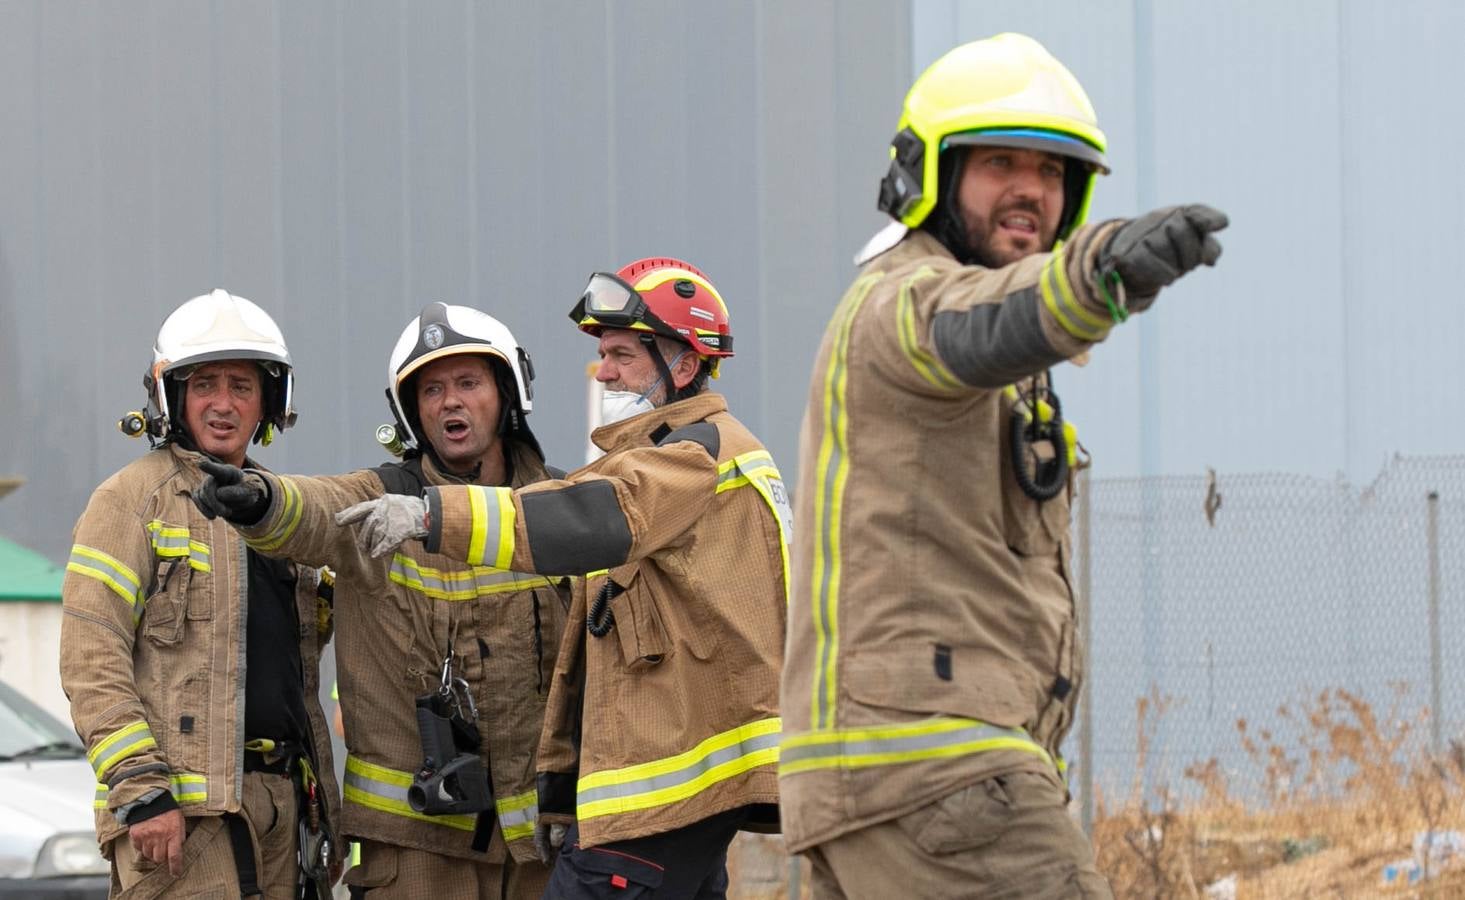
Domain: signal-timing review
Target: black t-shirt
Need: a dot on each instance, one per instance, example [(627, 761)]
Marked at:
[(274, 686)]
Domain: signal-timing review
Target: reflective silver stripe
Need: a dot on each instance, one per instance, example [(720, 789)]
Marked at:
[(385, 790), (461, 585), (691, 771), (174, 540), (394, 793), (487, 515), (893, 744), (168, 542), (120, 745), (186, 787), (111, 572), (517, 815), (745, 467)]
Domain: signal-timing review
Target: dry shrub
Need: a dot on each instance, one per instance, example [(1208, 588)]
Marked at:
[(1337, 798), (1146, 844)]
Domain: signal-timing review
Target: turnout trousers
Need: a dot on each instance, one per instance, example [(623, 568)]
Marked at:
[(1004, 838), (688, 863)]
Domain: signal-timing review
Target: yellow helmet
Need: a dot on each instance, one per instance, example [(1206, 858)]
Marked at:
[(1007, 91)]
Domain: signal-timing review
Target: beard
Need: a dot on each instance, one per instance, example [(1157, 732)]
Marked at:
[(983, 242)]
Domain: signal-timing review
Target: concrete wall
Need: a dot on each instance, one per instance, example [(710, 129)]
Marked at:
[(29, 635)]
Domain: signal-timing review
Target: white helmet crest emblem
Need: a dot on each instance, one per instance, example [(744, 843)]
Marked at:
[(432, 337)]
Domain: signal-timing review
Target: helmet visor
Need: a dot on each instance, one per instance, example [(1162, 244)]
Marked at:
[(609, 302), (1033, 139)]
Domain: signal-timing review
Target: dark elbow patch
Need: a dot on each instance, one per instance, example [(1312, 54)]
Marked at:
[(992, 345), (577, 529), (704, 433)]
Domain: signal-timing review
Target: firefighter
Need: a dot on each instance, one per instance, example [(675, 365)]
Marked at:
[(933, 660), (191, 662), (460, 389), (662, 734)]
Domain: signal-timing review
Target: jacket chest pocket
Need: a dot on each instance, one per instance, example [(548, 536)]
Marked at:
[(182, 592), (638, 623), (166, 607)]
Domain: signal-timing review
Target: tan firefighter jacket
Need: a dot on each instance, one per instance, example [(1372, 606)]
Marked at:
[(680, 697), (153, 646), (932, 639), (392, 634)]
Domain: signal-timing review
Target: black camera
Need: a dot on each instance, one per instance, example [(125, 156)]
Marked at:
[(452, 779)]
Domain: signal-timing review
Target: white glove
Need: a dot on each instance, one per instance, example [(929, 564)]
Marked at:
[(549, 837), (386, 522)]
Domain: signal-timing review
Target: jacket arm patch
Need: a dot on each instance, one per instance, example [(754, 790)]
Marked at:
[(576, 529), (557, 792), (991, 345), (703, 433)]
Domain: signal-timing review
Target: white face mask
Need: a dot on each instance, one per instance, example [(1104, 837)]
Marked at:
[(618, 406)]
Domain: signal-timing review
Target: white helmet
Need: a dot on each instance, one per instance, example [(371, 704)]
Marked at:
[(441, 330), (213, 327)]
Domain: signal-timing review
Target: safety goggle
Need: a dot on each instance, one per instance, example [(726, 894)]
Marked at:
[(611, 302)]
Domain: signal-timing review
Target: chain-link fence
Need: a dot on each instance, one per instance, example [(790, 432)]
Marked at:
[(1272, 643)]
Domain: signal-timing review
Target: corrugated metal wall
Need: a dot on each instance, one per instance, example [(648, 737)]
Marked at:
[(1327, 339), (343, 163)]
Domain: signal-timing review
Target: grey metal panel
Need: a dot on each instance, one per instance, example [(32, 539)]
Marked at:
[(311, 224), (1235, 104), (25, 336), (1401, 221), (831, 99), (341, 163)]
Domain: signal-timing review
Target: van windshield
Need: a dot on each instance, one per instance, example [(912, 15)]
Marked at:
[(28, 730)]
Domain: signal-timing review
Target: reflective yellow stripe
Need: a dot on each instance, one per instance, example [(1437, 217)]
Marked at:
[(110, 571), (478, 517), (286, 520), (491, 513), (185, 787), (129, 740), (679, 777), (658, 278), (829, 479), (1054, 272), (385, 790), (480, 581), (199, 557), (171, 541), (517, 815), (927, 366), (936, 738)]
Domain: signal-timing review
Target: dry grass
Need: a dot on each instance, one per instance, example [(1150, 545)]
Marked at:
[(1340, 802)]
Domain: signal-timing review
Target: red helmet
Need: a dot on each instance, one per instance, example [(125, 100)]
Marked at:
[(663, 296)]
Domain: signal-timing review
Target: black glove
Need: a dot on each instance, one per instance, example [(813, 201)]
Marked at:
[(230, 492), (1153, 250)]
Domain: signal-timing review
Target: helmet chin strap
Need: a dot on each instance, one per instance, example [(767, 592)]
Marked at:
[(649, 341)]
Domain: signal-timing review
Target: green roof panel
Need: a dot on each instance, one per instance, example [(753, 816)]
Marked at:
[(27, 575)]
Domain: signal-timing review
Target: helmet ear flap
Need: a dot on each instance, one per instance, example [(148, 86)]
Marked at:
[(1076, 178), (526, 370), (901, 189)]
